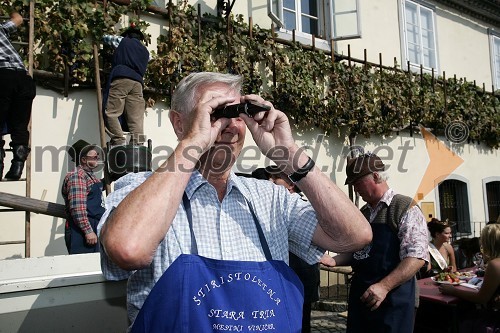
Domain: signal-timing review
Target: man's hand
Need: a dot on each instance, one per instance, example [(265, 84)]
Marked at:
[(16, 18), (200, 131), (376, 293), (446, 289), (91, 238), (270, 130), (327, 260), (374, 296)]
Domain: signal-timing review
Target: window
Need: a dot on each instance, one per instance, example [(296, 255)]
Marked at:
[(495, 59), (302, 16), (325, 19), (346, 23), (419, 36), (493, 200), (454, 205)]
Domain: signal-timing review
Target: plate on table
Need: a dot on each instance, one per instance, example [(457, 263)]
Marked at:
[(433, 278), (465, 275)]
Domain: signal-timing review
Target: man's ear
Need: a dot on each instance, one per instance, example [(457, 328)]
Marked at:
[(176, 121)]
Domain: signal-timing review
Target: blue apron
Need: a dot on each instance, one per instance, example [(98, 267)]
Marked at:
[(198, 294), (396, 312), (75, 239)]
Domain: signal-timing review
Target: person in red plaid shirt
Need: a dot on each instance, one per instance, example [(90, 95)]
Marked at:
[(82, 193)]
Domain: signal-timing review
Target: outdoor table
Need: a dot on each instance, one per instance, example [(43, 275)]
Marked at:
[(429, 292)]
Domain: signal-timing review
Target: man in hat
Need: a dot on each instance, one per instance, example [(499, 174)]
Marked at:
[(82, 193), (123, 98), (382, 295), (17, 91)]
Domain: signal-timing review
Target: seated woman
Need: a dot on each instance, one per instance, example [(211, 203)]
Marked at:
[(488, 318), (466, 250), (441, 252)]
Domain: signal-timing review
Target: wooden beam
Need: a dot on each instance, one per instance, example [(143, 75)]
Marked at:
[(18, 202)]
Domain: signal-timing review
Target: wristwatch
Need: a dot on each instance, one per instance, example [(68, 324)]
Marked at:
[(302, 172)]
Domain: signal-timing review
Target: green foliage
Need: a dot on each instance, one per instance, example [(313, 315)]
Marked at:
[(65, 31), (306, 84)]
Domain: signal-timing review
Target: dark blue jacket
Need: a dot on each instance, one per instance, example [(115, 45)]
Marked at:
[(130, 60)]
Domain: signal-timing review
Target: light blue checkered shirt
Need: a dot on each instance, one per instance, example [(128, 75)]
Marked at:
[(223, 230), (112, 40)]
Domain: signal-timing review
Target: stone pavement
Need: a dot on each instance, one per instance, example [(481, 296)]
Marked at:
[(327, 322), (330, 312)]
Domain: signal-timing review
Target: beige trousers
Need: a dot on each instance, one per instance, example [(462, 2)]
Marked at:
[(125, 97)]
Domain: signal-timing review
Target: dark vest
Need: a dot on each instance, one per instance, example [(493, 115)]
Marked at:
[(392, 214)]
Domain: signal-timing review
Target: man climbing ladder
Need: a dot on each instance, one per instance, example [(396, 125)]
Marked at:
[(17, 91), (123, 94)]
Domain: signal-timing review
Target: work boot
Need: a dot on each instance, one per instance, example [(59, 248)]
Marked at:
[(16, 168)]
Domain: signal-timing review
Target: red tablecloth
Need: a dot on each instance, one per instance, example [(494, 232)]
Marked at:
[(429, 291)]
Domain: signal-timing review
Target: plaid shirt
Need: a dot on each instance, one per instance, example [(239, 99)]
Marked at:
[(9, 58), (112, 40), (223, 230), (76, 186)]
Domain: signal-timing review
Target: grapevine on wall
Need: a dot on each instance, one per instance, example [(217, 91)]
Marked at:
[(306, 84)]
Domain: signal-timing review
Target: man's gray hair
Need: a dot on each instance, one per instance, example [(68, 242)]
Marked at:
[(184, 97), (383, 176)]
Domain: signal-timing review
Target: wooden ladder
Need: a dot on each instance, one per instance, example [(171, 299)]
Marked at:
[(27, 168)]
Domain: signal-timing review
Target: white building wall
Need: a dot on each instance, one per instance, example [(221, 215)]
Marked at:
[(407, 160), (461, 40), (463, 47), (379, 33)]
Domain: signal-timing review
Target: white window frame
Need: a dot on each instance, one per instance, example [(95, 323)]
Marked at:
[(495, 58), (326, 15), (421, 5), (335, 14)]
